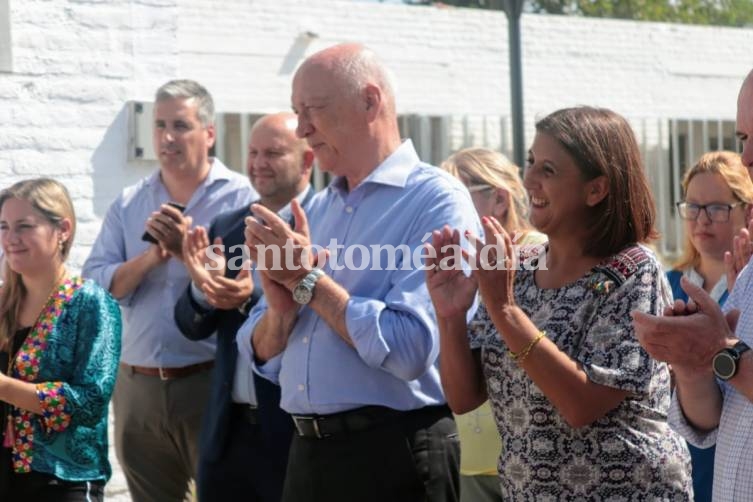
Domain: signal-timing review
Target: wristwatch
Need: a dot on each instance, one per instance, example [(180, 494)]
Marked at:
[(304, 290), (246, 305), (725, 362)]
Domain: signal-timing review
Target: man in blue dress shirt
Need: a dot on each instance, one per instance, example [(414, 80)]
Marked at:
[(163, 382), (354, 344)]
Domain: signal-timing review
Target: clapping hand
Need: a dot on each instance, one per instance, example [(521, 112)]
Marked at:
[(688, 335), (202, 266), (494, 264), (735, 260), (452, 292), (169, 227), (293, 246), (225, 293)]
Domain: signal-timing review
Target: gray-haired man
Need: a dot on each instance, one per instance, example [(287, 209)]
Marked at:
[(163, 383)]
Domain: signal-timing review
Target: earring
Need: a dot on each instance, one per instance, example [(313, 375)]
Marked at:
[(61, 243)]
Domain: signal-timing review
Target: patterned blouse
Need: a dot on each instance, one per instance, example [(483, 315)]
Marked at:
[(630, 454), (72, 355)]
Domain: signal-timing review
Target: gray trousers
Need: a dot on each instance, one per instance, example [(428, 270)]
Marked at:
[(157, 425)]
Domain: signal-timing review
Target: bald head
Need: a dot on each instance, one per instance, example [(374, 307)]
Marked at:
[(283, 121), (745, 121), (355, 66), (279, 163), (344, 99)]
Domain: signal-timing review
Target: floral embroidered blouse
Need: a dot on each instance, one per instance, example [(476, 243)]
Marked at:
[(629, 454), (72, 354)]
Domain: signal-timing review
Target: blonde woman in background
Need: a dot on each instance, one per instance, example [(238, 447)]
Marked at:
[(496, 190), (718, 192)]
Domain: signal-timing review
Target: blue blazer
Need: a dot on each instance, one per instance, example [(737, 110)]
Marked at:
[(197, 323)]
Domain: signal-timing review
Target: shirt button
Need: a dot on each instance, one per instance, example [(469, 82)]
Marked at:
[(349, 209), (301, 387), (305, 339)]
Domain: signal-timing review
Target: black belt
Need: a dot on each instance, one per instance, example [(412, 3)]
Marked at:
[(246, 412), (359, 419)]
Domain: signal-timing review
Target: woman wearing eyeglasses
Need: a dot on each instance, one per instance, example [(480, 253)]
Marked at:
[(717, 191), (497, 191)]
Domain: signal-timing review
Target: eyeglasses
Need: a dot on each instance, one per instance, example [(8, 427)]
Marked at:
[(479, 188), (718, 213)]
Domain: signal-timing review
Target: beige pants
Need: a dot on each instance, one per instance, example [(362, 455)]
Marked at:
[(157, 427)]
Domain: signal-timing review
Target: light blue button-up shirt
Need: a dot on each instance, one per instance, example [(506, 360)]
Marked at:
[(389, 316), (150, 336)]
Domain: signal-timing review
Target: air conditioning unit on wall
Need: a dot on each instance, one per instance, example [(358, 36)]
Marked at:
[(140, 124)]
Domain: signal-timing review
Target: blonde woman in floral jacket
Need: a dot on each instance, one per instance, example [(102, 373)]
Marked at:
[(60, 343)]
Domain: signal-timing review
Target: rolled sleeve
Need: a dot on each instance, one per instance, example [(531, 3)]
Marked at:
[(360, 319), (108, 252), (269, 370), (679, 423), (401, 342), (102, 275)]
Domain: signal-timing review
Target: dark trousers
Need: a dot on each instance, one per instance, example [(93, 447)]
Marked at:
[(41, 487), (412, 457), (252, 466), (702, 462)]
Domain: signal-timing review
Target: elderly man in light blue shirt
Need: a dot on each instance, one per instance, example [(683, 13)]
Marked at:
[(163, 382), (354, 343)]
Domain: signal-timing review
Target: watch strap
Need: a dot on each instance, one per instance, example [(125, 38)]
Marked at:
[(740, 348)]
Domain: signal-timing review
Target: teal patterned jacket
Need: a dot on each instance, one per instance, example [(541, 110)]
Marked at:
[(72, 355)]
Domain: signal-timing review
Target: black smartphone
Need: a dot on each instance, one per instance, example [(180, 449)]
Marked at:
[(148, 237)]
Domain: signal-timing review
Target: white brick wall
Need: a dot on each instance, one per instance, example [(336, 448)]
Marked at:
[(76, 63)]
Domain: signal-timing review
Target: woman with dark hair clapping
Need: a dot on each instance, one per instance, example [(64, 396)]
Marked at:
[(580, 406)]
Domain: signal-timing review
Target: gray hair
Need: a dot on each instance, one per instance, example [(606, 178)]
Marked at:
[(359, 68), (189, 89)]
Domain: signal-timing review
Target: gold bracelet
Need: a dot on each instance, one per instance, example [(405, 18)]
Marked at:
[(521, 356)]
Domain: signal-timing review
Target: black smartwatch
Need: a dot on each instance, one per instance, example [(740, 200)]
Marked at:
[(725, 362)]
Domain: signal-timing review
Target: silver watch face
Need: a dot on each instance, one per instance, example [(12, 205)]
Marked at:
[(302, 294), (724, 365), (304, 291)]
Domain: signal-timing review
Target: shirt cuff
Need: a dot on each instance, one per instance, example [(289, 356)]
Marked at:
[(104, 278), (270, 370), (55, 416), (362, 322), (679, 423), (199, 297)]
